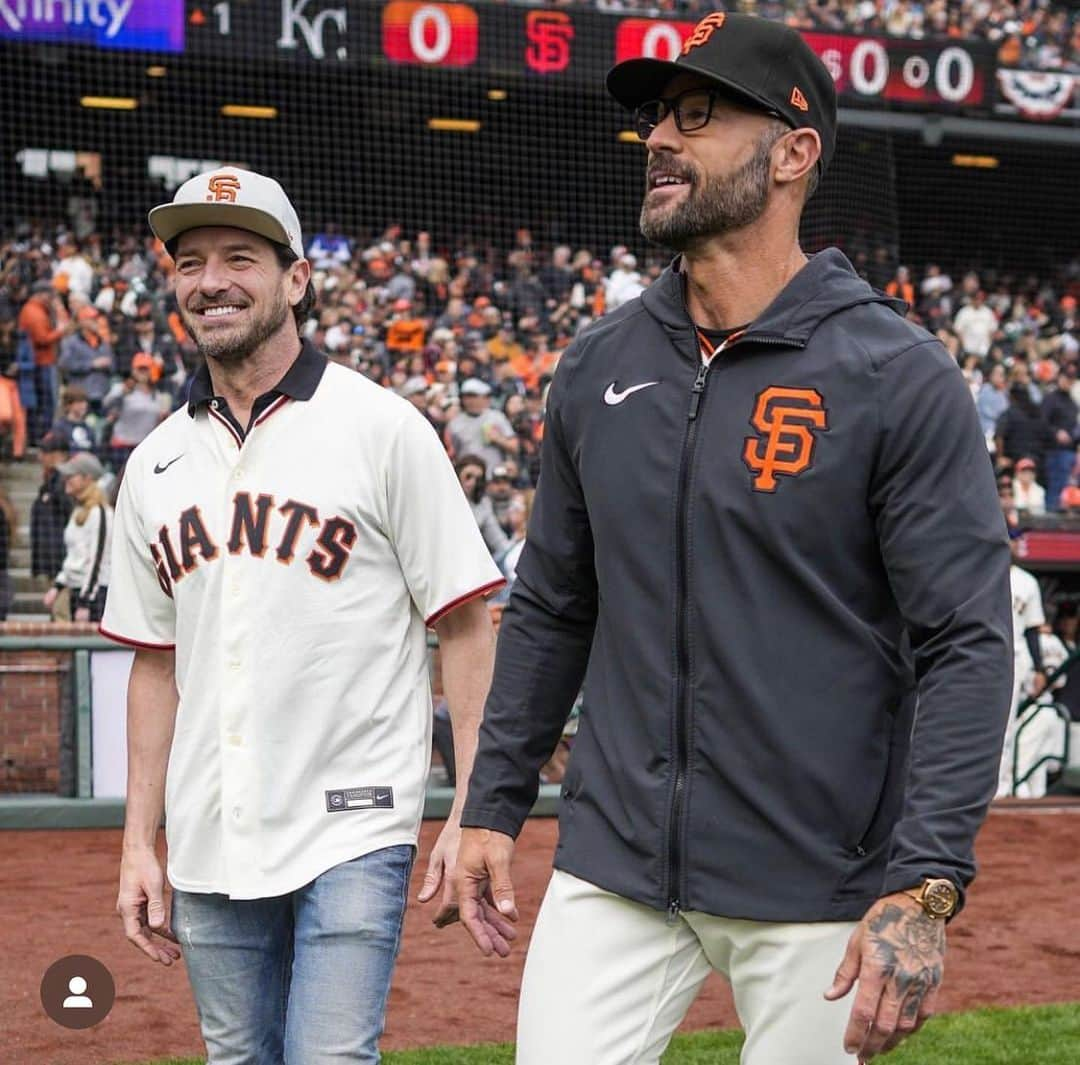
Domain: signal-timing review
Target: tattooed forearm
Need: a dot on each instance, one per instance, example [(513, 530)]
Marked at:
[(910, 947)]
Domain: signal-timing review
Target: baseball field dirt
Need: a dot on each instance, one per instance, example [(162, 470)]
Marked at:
[(1017, 942)]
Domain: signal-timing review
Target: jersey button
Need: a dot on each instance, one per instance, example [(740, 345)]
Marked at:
[(236, 812), (234, 664), (238, 473), (236, 740)]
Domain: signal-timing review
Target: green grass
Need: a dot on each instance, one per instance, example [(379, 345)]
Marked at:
[(1028, 1035)]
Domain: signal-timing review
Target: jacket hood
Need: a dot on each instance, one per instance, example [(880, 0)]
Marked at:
[(827, 284)]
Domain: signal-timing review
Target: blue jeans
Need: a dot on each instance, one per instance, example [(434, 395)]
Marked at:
[(1059, 466), (301, 979)]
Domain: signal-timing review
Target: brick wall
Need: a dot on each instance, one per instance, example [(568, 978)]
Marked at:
[(36, 714)]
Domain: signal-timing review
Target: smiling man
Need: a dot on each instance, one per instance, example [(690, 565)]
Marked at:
[(765, 531), (281, 545)]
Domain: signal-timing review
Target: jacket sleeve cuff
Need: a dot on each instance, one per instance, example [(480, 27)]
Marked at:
[(497, 820)]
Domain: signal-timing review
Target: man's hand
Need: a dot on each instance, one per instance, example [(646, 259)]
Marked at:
[(897, 954), (141, 906), (442, 867), (484, 890), (82, 613)]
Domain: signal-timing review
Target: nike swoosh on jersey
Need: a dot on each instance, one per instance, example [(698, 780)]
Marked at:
[(613, 398), (158, 468)]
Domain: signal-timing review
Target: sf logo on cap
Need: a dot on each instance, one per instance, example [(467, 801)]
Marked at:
[(704, 30), (786, 419), (223, 188)]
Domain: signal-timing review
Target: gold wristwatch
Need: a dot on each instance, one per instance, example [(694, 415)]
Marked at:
[(937, 896)]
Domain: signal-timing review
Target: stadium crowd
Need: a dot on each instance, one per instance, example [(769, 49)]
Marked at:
[(1029, 33), (93, 354)]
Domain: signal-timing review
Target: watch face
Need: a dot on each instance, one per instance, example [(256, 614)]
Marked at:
[(940, 898)]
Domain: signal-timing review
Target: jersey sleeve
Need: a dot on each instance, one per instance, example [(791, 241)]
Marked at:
[(138, 609), (1032, 615), (438, 544)]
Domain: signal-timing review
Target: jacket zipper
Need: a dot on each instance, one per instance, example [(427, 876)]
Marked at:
[(697, 392), (682, 741), (682, 650)]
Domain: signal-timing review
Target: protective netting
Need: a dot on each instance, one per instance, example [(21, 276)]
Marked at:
[(524, 135)]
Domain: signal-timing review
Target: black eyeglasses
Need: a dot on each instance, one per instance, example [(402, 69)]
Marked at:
[(692, 110)]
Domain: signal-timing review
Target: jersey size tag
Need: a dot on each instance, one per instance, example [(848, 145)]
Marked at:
[(341, 799)]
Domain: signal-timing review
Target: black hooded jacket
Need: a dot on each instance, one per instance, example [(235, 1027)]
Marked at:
[(785, 581)]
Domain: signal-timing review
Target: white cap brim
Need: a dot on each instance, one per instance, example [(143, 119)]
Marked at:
[(169, 220)]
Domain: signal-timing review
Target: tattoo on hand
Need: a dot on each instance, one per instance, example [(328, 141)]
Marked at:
[(910, 947)]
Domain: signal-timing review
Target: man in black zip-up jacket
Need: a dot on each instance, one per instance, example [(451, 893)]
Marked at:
[(766, 535)]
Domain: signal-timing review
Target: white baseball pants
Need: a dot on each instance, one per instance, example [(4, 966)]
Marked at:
[(607, 981)]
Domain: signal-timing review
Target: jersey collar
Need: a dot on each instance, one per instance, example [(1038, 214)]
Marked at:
[(300, 380)]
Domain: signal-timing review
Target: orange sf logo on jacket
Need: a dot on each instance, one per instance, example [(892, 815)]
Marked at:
[(785, 419)]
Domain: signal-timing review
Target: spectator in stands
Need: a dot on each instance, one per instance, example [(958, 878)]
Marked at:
[(73, 273), (1022, 431), (472, 475), (936, 286), (329, 249), (517, 519), (480, 430), (624, 284), (500, 490), (1028, 495), (993, 400), (976, 325), (87, 540), (50, 510), (86, 357), (134, 407), (72, 425), (145, 336), (901, 287), (558, 277), (45, 322), (9, 524), (12, 412), (504, 346), (1061, 414)]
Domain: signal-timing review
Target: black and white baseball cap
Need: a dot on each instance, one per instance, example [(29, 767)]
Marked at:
[(764, 64), (230, 196)]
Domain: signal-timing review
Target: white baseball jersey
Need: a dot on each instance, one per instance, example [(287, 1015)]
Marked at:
[(1027, 610), (293, 570)]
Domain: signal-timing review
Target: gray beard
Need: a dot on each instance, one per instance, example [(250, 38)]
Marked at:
[(236, 348), (724, 204)]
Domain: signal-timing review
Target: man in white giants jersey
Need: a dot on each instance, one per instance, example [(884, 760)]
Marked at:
[(281, 545), (1029, 677)]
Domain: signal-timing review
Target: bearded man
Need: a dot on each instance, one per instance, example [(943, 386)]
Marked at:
[(765, 532), (281, 545)]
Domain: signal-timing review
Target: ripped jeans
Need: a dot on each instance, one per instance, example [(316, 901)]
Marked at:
[(301, 979)]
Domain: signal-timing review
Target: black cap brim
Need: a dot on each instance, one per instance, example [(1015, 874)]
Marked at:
[(636, 81)]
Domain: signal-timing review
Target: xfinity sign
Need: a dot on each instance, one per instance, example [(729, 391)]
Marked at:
[(147, 25)]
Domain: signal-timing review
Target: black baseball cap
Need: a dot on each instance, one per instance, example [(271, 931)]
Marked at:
[(764, 64)]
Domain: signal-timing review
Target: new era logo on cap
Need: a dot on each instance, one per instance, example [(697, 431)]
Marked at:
[(798, 100)]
